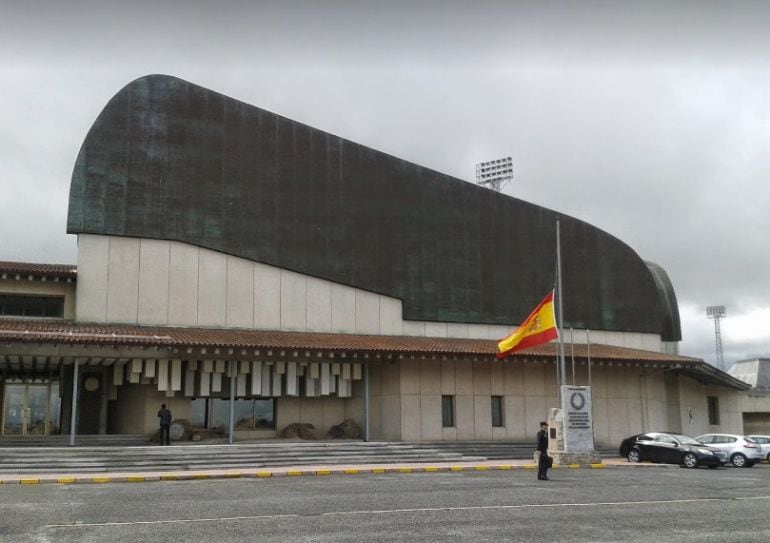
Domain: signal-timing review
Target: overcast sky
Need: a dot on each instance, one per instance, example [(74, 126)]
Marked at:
[(649, 121)]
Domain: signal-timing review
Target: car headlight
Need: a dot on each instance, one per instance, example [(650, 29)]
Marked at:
[(705, 451)]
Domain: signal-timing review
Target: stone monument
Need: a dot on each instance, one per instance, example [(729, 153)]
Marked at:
[(571, 439)]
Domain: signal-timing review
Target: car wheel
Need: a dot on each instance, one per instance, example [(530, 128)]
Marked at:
[(689, 460), (633, 455), (738, 460)]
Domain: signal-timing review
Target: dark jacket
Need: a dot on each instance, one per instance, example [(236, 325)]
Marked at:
[(542, 441), (165, 417)]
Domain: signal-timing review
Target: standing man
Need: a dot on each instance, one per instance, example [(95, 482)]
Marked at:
[(542, 449), (165, 425)]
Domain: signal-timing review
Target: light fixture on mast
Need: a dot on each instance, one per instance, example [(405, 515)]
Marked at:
[(495, 173), (717, 312)]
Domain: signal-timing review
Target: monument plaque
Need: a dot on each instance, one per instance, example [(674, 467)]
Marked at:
[(574, 443)]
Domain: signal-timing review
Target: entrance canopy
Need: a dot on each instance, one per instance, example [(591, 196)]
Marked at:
[(38, 346)]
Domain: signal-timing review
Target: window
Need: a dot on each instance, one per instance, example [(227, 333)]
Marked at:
[(497, 411), (249, 414), (448, 411), (713, 407), (31, 306)]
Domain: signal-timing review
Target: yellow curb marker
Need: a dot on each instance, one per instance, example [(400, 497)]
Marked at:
[(135, 479), (378, 470), (233, 475), (530, 466), (405, 470), (430, 469), (66, 480), (504, 467), (293, 473), (29, 481), (456, 468), (573, 466), (101, 479), (263, 474), (169, 478), (351, 471), (323, 472), (481, 468), (201, 476), (598, 466)]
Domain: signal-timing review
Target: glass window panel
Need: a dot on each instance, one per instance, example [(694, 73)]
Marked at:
[(54, 409), (198, 412), (264, 413), (497, 411), (448, 411)]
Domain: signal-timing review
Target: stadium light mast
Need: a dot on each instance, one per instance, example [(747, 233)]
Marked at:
[(495, 173), (717, 312)]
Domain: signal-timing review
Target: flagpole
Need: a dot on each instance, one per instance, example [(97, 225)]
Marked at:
[(572, 351), (562, 368), (588, 342)]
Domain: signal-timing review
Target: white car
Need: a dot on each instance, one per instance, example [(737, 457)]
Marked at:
[(742, 451), (764, 442)]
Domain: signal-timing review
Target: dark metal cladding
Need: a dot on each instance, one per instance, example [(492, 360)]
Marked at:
[(167, 159)]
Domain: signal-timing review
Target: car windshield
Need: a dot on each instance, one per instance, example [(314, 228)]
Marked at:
[(686, 440)]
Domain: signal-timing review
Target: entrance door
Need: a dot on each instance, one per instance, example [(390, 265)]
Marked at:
[(29, 409), (14, 404)]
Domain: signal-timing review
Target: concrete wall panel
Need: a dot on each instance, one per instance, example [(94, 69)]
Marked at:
[(212, 288), (123, 286), (267, 297), (367, 313), (154, 262), (343, 309), (183, 285), (293, 301), (240, 293), (319, 305), (93, 267), (391, 320)]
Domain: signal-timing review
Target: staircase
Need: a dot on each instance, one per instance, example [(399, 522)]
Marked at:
[(97, 454)]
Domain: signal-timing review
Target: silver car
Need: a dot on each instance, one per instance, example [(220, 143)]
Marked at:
[(741, 451), (764, 442)]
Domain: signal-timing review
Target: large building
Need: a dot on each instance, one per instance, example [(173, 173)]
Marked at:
[(225, 251)]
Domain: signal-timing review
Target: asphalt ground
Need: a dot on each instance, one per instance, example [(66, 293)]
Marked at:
[(639, 503)]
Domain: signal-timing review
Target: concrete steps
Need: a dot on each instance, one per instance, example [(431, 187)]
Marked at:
[(96, 454), (183, 457)]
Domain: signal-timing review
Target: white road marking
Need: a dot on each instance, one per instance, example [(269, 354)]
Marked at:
[(401, 511)]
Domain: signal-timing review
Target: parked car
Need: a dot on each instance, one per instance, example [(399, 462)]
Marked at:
[(764, 442), (671, 448), (741, 451)]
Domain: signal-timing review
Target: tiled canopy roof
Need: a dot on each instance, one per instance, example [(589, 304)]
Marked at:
[(40, 331), (64, 271)]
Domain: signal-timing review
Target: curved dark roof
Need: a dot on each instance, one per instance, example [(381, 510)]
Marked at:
[(168, 159)]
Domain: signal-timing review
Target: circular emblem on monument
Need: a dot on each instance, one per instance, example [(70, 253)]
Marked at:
[(577, 401)]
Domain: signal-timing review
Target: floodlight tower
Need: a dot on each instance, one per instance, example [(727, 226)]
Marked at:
[(717, 312), (495, 173)]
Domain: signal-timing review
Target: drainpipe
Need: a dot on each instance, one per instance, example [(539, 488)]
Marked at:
[(232, 400), (366, 401), (73, 417)]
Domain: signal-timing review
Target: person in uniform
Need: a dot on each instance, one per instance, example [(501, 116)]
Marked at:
[(542, 449), (165, 425)]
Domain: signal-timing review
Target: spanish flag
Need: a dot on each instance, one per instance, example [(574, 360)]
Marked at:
[(539, 327)]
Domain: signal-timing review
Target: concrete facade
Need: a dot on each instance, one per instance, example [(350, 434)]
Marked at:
[(133, 281)]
